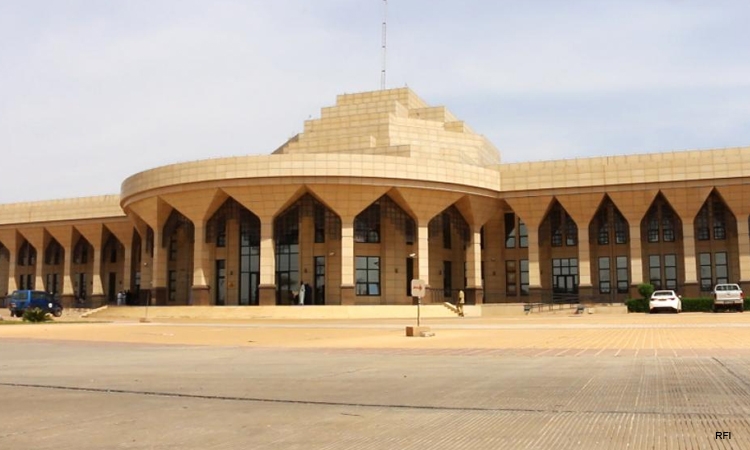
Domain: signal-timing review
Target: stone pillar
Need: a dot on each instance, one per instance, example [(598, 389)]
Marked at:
[(35, 238), (97, 291), (474, 288), (636, 259), (159, 269), (127, 266), (10, 240), (267, 287), (38, 275), (535, 276), (585, 289), (201, 266), (691, 271), (146, 267), (743, 242), (347, 261)]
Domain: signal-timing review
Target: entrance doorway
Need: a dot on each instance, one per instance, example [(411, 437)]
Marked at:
[(221, 282), (319, 283), (111, 286)]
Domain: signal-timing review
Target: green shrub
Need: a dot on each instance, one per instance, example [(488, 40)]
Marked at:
[(637, 305), (36, 315), (697, 304), (701, 304), (646, 289)]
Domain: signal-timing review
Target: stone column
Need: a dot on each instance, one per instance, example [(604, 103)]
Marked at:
[(535, 276), (347, 261), (127, 266), (159, 269), (691, 272), (585, 289), (474, 288), (10, 240), (201, 266), (267, 288), (97, 290), (636, 259), (743, 242)]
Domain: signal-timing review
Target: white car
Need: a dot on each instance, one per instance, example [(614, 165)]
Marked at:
[(665, 300)]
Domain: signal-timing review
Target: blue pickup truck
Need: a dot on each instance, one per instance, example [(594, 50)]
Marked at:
[(20, 301)]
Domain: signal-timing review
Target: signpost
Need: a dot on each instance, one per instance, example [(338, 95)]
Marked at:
[(418, 291)]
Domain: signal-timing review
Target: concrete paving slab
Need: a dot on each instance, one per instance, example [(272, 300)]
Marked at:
[(633, 382)]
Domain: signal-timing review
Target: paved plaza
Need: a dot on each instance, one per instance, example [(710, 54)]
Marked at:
[(532, 382)]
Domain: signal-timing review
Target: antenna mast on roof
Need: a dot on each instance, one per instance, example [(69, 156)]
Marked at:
[(382, 69)]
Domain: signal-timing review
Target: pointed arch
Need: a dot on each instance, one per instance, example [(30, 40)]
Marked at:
[(662, 249), (716, 243)]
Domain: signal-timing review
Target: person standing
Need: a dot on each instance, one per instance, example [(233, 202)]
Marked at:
[(301, 294), (460, 304)]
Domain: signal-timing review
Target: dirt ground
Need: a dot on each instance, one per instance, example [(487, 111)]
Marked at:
[(631, 331)]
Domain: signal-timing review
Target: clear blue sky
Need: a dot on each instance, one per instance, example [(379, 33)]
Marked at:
[(93, 91)]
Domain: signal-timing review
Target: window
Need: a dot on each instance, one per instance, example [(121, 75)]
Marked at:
[(668, 278), (286, 232), (605, 286), (320, 223), (722, 272), (409, 230), (653, 227), (481, 238), (447, 278), (667, 226), (221, 282), (565, 275), (701, 224), (720, 223), (510, 230), (53, 254), (524, 263), (221, 235), (621, 229), (172, 288), (603, 235), (654, 271), (367, 225), (113, 255), (80, 252), (661, 222), (510, 278), (368, 275), (250, 259), (562, 228), (173, 247), (556, 228), (623, 279), (670, 271), (571, 232), (523, 234), (446, 230), (704, 261)]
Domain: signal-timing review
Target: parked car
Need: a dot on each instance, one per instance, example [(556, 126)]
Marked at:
[(21, 300), (727, 296), (665, 300)]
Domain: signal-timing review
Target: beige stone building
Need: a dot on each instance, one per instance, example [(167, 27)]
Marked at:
[(383, 188)]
